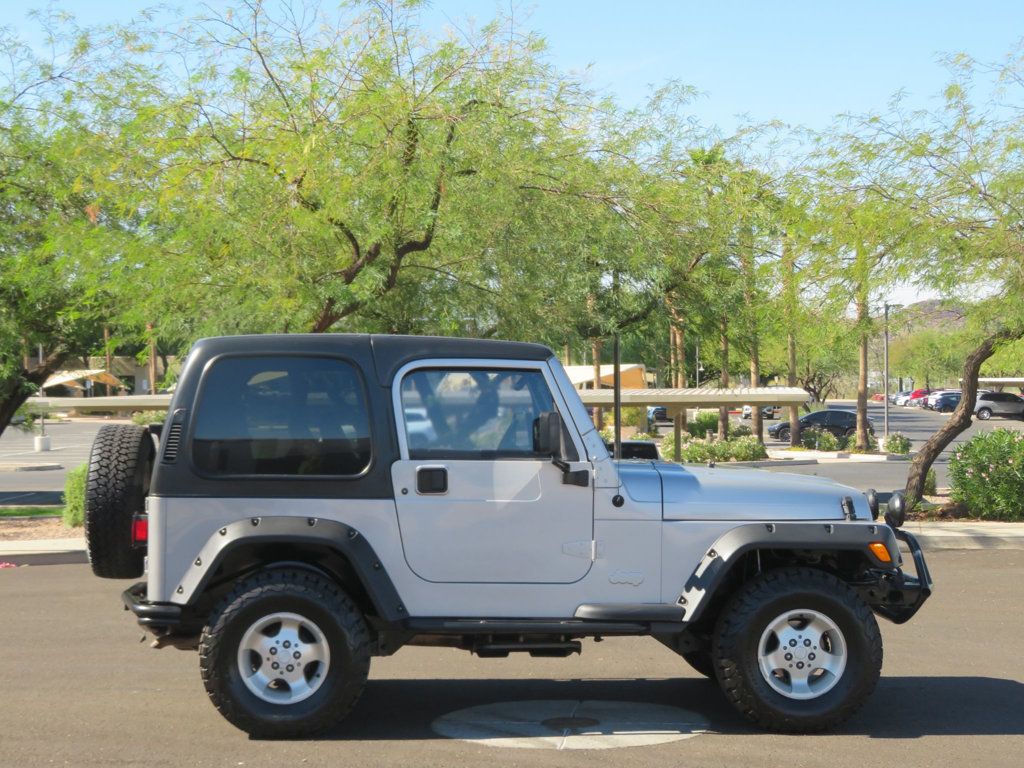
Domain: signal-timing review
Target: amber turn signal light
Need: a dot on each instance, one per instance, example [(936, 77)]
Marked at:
[(879, 550)]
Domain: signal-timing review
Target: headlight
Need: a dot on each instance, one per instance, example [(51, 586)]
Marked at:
[(872, 496), (897, 510)]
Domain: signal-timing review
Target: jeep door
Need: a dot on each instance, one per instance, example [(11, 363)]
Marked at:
[(475, 502)]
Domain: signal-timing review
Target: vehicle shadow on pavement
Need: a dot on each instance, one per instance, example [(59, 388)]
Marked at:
[(901, 707)]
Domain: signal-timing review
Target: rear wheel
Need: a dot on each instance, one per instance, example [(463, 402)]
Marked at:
[(120, 465), (286, 654), (796, 650)]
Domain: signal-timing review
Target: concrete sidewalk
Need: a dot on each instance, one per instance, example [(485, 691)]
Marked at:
[(933, 537)]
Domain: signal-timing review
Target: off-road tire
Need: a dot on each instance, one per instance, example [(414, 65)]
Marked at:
[(701, 661), (120, 465), (309, 595), (745, 617), (984, 414)]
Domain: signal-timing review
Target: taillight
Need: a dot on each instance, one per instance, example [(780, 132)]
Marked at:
[(140, 530)]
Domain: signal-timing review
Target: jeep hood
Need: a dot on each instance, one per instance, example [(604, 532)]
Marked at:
[(720, 493)]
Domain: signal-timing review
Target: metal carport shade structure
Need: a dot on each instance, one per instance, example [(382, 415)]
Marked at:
[(678, 400), (674, 400)]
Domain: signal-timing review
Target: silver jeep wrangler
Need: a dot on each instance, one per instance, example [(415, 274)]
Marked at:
[(313, 501)]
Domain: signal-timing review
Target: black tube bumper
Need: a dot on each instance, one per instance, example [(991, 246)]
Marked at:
[(897, 596), (159, 618)]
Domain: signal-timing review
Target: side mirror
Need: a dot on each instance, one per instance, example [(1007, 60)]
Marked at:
[(547, 434)]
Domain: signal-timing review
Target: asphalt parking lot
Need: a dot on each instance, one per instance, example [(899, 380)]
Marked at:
[(81, 689)]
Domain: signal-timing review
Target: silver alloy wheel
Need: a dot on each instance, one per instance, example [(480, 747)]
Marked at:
[(802, 654), (283, 658)]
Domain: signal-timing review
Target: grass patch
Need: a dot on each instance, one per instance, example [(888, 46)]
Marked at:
[(29, 511)]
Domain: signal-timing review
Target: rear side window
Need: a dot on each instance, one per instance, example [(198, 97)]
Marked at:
[(282, 416)]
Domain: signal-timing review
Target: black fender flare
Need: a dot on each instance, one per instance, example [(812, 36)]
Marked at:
[(341, 538), (711, 571)]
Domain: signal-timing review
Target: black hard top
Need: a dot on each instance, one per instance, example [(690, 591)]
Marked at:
[(389, 352)]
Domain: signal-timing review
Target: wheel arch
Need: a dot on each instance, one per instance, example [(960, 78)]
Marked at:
[(749, 549), (327, 547)]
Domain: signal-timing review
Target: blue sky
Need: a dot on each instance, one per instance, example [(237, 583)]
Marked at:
[(797, 61)]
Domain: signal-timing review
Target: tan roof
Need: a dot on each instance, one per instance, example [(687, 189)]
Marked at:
[(68, 378)]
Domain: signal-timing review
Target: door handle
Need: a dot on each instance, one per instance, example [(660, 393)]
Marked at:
[(431, 480)]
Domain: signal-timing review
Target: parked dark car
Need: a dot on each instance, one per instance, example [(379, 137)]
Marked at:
[(947, 402), (645, 450), (657, 413), (840, 423), (998, 404)]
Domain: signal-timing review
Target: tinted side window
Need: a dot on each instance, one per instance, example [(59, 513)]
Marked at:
[(818, 417), (473, 414), (282, 416)]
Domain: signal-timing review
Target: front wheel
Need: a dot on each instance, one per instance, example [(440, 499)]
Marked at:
[(796, 650), (286, 654), (784, 435), (701, 661), (985, 414)]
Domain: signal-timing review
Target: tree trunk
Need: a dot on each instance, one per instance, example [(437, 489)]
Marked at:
[(595, 352), (862, 373), (673, 361), (794, 410), (680, 382), (723, 412), (16, 389), (959, 420), (756, 423)]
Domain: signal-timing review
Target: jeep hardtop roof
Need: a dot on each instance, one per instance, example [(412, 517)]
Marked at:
[(389, 352)]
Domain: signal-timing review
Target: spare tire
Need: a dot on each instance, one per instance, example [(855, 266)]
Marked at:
[(120, 466)]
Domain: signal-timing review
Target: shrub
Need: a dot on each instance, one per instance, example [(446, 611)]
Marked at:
[(986, 475), (668, 445), (850, 444), (699, 425), (819, 440), (607, 434), (144, 418), (74, 496), (741, 449), (897, 442), (740, 430), (642, 436), (931, 483), (747, 449)]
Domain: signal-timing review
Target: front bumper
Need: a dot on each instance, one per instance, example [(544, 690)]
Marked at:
[(896, 595)]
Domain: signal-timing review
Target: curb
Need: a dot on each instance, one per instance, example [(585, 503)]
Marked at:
[(941, 536), (29, 467), (768, 463)]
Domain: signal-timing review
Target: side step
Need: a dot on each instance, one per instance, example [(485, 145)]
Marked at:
[(550, 649), (575, 627)]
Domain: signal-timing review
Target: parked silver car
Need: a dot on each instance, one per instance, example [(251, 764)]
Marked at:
[(991, 404)]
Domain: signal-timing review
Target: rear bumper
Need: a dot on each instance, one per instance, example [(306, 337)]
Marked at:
[(160, 618), (897, 596)]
